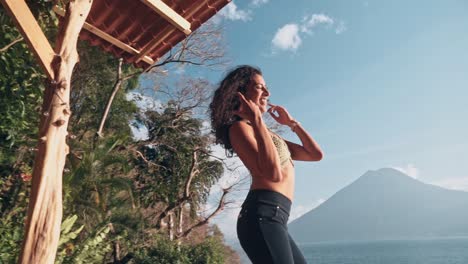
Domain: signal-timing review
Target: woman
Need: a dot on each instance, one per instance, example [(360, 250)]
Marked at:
[(236, 119)]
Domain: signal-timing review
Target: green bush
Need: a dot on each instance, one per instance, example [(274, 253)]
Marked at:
[(210, 250), (164, 251), (11, 235), (93, 249)]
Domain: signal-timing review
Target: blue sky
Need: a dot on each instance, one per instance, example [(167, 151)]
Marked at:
[(377, 83)]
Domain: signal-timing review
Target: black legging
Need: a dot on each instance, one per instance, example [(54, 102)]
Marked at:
[(262, 229)]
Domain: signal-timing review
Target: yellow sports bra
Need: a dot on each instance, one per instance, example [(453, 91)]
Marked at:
[(281, 148)]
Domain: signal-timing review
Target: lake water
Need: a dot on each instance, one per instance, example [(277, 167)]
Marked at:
[(428, 251)]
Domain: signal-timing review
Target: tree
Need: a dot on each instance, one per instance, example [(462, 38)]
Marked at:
[(175, 166), (93, 82), (21, 88), (203, 47), (131, 183), (45, 204)]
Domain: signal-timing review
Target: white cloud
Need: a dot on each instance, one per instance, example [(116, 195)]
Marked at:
[(144, 102), (299, 210), (287, 37), (409, 170), (232, 12), (206, 127), (308, 23), (180, 69), (140, 132), (259, 2), (340, 28), (459, 183)]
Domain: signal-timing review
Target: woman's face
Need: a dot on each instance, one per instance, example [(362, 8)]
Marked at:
[(257, 91)]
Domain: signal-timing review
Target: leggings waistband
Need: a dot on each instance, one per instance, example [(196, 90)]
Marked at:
[(268, 197)]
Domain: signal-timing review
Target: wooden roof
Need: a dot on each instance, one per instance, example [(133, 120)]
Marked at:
[(142, 31)]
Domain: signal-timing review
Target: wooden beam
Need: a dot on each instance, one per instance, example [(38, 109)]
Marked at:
[(29, 28), (155, 42), (150, 46), (170, 15), (196, 9), (96, 31)]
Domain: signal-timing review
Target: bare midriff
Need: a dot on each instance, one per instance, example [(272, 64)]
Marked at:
[(285, 186)]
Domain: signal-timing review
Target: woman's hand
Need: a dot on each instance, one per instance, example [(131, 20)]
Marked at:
[(247, 109), (280, 114)]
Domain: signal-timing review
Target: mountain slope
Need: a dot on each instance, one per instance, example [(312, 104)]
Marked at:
[(385, 204)]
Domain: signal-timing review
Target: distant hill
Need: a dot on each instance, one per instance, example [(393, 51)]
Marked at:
[(385, 204)]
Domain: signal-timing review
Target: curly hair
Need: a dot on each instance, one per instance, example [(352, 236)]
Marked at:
[(226, 100)]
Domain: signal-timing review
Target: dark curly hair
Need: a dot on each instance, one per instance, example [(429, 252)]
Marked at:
[(226, 100)]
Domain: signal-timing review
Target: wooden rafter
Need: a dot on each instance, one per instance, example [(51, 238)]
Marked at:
[(150, 46), (59, 11), (170, 15), (27, 24)]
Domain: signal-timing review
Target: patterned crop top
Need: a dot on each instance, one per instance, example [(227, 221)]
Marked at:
[(281, 148)]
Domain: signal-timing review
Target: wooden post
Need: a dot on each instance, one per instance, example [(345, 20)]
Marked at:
[(42, 231)]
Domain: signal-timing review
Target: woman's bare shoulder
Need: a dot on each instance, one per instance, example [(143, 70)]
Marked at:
[(240, 125), (240, 131)]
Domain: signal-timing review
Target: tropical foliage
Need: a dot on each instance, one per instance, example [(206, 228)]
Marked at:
[(126, 200)]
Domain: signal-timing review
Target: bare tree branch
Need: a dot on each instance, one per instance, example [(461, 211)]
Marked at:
[(223, 160), (222, 203), (187, 195), (172, 61), (193, 171), (19, 39), (148, 161), (204, 47), (117, 85), (170, 208), (131, 75)]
